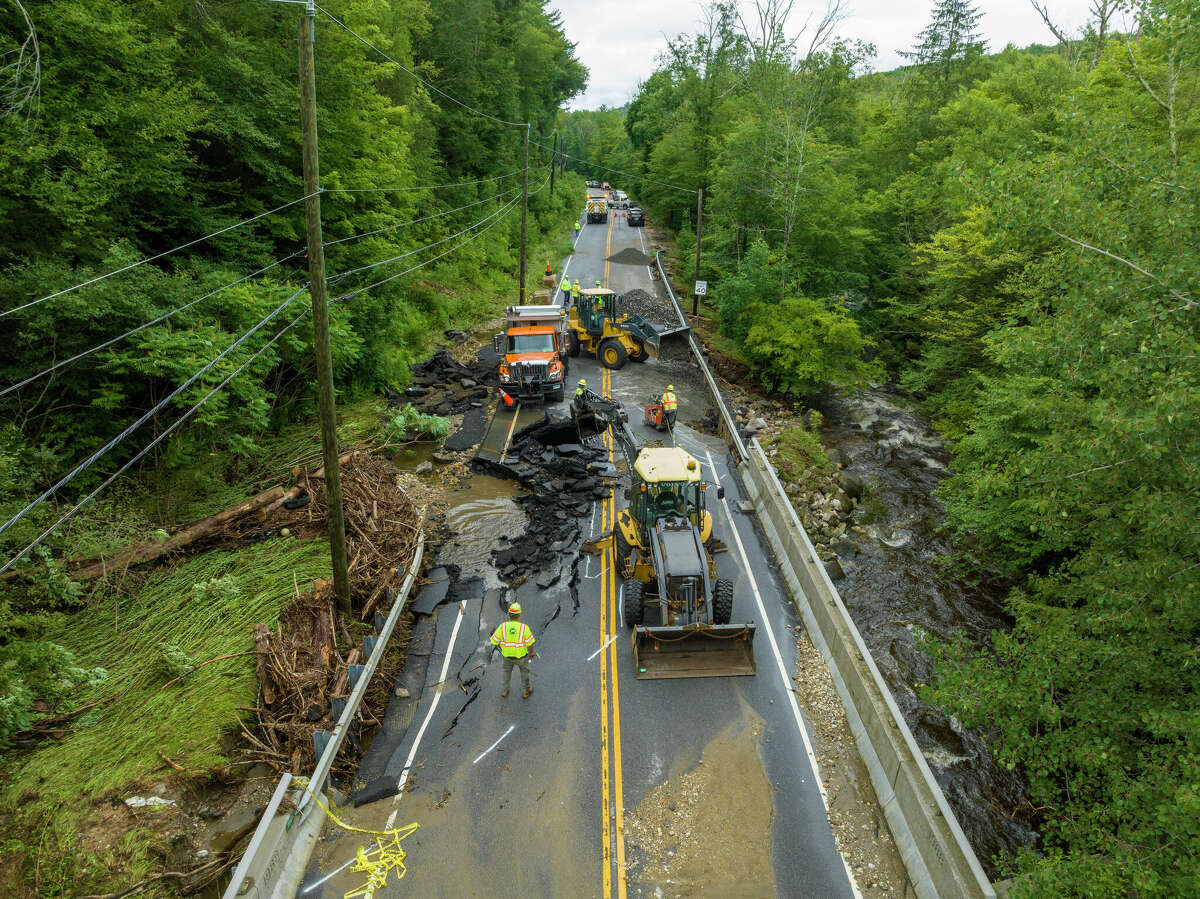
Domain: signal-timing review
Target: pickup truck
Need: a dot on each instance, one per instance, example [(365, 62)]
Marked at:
[(619, 199)]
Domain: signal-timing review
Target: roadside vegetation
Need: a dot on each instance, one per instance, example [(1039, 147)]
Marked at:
[(1009, 237), (145, 126)]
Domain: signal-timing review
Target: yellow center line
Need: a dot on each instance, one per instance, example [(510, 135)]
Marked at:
[(606, 852)]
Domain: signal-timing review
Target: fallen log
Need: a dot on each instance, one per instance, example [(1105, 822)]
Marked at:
[(146, 552)]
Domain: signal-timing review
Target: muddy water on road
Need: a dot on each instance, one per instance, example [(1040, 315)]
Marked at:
[(892, 586), (478, 515)]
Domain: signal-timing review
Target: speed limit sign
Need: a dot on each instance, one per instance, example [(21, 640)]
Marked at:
[(701, 288)]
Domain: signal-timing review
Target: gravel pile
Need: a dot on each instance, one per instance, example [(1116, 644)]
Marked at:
[(655, 309), (630, 256)]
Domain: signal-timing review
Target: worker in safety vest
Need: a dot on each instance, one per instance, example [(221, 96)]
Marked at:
[(515, 641), (580, 392), (577, 227), (670, 405), (597, 283)]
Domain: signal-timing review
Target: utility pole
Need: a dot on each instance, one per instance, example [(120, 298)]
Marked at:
[(553, 161), (699, 219), (524, 212), (320, 314)]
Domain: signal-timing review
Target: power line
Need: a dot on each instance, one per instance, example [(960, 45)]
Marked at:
[(56, 366), (146, 417), (354, 293), (190, 412), (376, 190), (404, 68), (133, 265), (608, 168), (354, 271), (153, 443), (427, 218), (101, 346)]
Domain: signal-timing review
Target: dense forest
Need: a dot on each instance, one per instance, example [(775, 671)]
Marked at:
[(1009, 237), (131, 130)]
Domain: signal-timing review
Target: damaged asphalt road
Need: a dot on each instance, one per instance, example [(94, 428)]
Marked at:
[(529, 797)]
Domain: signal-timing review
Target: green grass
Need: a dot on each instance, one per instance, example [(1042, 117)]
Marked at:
[(205, 608), (800, 458)]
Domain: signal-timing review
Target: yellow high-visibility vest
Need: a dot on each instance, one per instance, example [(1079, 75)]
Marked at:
[(668, 401), (514, 639)]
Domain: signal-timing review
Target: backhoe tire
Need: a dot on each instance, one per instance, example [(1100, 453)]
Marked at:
[(623, 549), (723, 602), (639, 354), (572, 344), (632, 604), (612, 354)]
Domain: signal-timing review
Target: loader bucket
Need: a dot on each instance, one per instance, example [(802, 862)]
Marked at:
[(694, 650), (669, 343)]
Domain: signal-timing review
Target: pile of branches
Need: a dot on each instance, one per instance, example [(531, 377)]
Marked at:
[(303, 664)]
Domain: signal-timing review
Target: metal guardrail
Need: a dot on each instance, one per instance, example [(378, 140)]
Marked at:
[(729, 423), (278, 852), (936, 853)]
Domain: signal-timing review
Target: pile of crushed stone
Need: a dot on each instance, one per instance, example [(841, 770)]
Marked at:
[(652, 308), (630, 256)]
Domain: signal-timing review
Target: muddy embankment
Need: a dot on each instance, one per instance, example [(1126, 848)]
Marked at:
[(877, 524)]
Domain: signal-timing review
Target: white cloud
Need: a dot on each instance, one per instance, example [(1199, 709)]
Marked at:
[(618, 40)]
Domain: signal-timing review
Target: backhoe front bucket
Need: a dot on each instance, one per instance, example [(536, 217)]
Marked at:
[(693, 650)]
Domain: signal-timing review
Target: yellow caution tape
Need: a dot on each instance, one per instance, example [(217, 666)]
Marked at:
[(387, 856)]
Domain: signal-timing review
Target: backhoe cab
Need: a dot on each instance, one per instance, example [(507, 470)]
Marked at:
[(678, 607)]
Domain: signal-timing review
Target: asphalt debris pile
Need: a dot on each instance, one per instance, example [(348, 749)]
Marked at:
[(444, 386), (564, 476), (630, 256)]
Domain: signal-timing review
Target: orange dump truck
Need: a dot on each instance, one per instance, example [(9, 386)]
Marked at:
[(533, 353)]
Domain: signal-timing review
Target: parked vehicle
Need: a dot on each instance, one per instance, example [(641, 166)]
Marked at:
[(533, 352), (636, 217)]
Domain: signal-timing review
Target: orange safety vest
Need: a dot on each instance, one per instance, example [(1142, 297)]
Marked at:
[(668, 401), (514, 639)]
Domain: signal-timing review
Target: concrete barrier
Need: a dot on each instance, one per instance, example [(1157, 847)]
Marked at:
[(939, 859)]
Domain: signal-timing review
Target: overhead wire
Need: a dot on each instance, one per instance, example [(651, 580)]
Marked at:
[(90, 460), (376, 190), (100, 346), (153, 443), (417, 77), (166, 315), (190, 412), (608, 168), (156, 256)]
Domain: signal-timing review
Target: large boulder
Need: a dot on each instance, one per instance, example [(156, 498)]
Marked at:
[(852, 484)]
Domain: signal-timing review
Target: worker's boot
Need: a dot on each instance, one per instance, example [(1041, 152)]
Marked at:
[(503, 694), (528, 692)]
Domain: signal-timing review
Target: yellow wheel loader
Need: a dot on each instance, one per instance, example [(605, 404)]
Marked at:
[(598, 327), (679, 609)]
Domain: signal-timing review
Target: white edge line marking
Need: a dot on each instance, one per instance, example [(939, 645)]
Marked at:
[(602, 648), (783, 673), (437, 697), (335, 872), (511, 728)]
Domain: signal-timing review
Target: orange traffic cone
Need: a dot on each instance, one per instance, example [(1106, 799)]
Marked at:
[(508, 400), (549, 271)]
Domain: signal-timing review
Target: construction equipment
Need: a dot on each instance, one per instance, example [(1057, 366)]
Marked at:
[(678, 607), (533, 352), (654, 415), (598, 326), (597, 205)]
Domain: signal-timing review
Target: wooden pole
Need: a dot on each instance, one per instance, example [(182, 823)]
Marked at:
[(699, 219), (524, 213), (553, 163), (320, 313)]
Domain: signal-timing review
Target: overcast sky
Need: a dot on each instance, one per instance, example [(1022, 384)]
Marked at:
[(618, 39)]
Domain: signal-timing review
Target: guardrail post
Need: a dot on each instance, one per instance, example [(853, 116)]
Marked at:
[(337, 705), (321, 740), (369, 646), (355, 673)]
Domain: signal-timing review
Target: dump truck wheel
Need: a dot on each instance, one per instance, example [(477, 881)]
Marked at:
[(572, 344), (612, 354), (723, 602), (639, 353), (633, 603)]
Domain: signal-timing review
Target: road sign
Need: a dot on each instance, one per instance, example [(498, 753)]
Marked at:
[(701, 288)]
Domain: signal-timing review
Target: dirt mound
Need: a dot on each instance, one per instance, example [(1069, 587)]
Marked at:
[(630, 256)]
